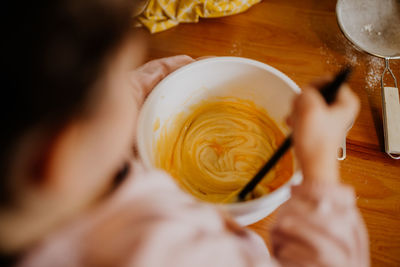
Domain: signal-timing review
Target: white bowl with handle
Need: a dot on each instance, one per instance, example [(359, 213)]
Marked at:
[(227, 77)]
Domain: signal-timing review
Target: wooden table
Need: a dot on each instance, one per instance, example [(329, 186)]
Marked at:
[(302, 39)]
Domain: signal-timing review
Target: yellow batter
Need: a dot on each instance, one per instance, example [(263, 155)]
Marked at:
[(216, 147)]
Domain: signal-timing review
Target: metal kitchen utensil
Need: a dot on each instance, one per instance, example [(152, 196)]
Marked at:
[(373, 26)]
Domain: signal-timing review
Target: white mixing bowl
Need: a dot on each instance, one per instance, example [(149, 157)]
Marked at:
[(221, 76)]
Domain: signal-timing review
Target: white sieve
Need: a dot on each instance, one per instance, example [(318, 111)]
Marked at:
[(373, 26)]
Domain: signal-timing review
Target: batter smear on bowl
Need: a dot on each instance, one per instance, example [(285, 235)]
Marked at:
[(218, 145)]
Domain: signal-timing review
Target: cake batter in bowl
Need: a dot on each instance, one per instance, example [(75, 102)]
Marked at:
[(212, 122)]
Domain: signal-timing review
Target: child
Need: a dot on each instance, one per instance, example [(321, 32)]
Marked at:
[(69, 113)]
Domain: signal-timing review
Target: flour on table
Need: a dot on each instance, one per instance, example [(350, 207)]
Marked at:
[(374, 71), (351, 55), (236, 49)]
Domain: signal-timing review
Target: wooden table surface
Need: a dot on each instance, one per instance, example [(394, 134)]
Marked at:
[(303, 40)]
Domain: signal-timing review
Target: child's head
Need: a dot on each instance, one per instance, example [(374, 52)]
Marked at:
[(67, 110)]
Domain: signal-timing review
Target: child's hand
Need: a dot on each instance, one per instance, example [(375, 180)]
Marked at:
[(146, 77), (318, 130)]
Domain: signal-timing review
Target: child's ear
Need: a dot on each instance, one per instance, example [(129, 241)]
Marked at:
[(56, 156), (39, 155), (42, 165)]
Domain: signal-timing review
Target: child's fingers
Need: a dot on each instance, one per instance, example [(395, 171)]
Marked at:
[(305, 106), (347, 105), (204, 57), (289, 120), (302, 102), (175, 62), (151, 73), (321, 81), (166, 65), (309, 101)]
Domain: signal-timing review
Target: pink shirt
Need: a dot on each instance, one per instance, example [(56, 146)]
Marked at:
[(149, 221)]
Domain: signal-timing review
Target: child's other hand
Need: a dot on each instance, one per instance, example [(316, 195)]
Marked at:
[(147, 76), (318, 130)]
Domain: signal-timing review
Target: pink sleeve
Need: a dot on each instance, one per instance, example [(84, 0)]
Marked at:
[(320, 226), (150, 222), (170, 228), (144, 78)]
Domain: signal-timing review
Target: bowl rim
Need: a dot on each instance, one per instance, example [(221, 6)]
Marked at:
[(297, 175), (296, 178)]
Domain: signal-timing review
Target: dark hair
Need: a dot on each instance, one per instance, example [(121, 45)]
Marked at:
[(52, 52)]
